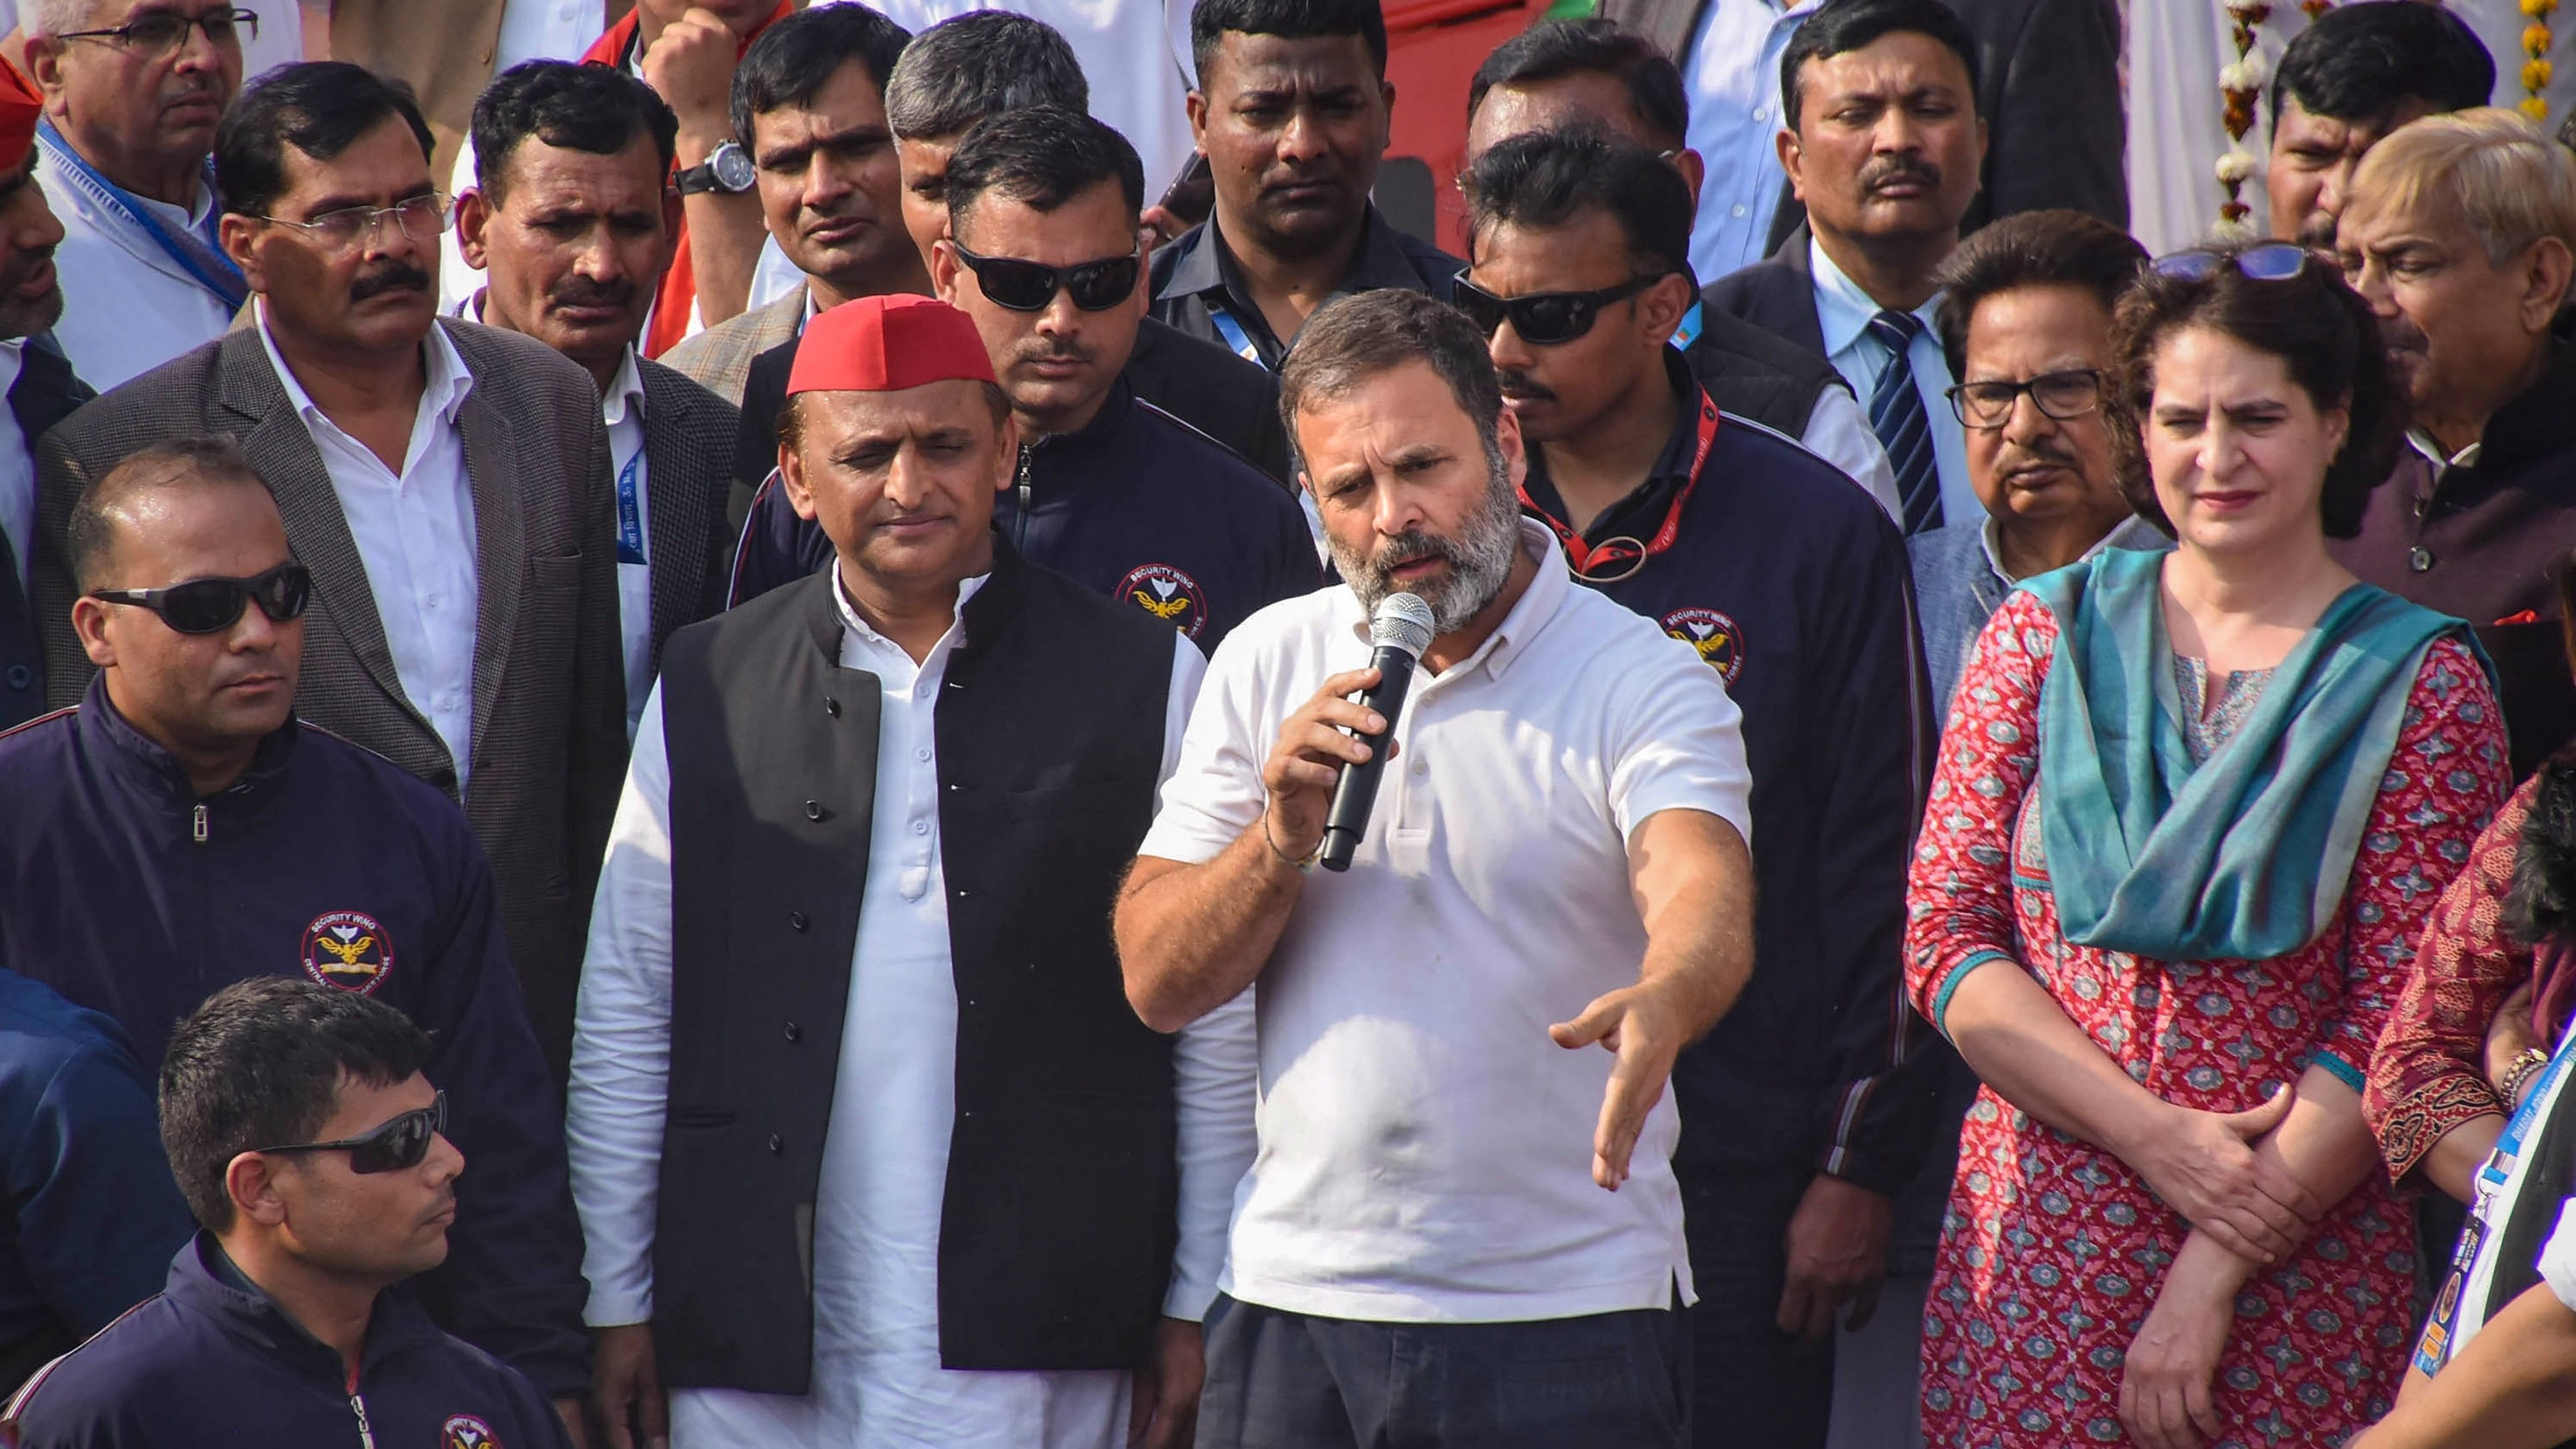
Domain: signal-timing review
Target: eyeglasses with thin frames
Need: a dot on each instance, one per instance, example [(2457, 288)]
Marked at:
[(160, 34), (2066, 395), (422, 218), (2262, 262)]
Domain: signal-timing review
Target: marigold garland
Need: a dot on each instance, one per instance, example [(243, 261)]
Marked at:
[(2537, 42), (2242, 84)]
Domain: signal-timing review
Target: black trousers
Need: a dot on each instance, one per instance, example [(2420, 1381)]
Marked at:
[(1279, 1380), (1756, 1387)]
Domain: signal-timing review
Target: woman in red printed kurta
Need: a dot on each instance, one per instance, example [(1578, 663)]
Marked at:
[(2190, 812)]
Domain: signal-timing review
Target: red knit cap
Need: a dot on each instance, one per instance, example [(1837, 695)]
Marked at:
[(887, 344), (20, 105)]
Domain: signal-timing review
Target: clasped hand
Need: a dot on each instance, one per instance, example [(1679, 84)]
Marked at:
[(2203, 1164)]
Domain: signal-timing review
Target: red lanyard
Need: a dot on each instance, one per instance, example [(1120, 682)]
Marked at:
[(1611, 552)]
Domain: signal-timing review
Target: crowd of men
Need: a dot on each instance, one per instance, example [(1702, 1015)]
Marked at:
[(683, 762)]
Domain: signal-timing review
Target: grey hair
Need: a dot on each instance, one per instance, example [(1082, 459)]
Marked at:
[(45, 19)]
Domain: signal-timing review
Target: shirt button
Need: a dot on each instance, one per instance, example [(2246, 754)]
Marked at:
[(813, 810), (2419, 558), (921, 827), (777, 1143), (831, 706), (796, 921), (1421, 768), (432, 601), (1762, 112), (20, 676), (793, 1034), (1738, 209), (921, 754)]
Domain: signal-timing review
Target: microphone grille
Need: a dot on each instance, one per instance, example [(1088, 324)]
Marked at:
[(1402, 621)]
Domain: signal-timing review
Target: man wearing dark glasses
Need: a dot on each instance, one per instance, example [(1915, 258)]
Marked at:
[(1045, 252), (1802, 1110), (181, 828), (134, 88), (447, 484), (312, 1149)]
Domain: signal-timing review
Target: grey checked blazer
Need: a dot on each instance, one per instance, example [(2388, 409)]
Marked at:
[(719, 359), (549, 725), (688, 457)]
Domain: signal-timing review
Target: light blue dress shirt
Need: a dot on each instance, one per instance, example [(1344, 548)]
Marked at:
[(1843, 311), (1733, 76)]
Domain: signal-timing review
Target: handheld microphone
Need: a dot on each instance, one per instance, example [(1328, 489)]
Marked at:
[(1401, 630)]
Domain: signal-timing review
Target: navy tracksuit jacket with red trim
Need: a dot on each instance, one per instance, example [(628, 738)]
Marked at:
[(123, 891)]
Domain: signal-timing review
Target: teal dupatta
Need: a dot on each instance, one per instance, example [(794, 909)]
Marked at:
[(2247, 855)]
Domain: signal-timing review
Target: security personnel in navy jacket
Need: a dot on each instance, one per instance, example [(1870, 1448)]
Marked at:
[(134, 881), (1805, 1109), (308, 1143), (1112, 490)]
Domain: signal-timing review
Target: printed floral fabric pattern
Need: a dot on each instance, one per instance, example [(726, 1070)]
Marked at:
[(2429, 1074), (2053, 1250), (2205, 728)]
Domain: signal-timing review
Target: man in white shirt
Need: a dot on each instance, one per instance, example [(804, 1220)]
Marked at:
[(1461, 1229), (133, 89), (868, 1147), (1882, 141), (571, 221)]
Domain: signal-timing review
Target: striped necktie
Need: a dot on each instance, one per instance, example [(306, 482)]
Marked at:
[(1896, 415)]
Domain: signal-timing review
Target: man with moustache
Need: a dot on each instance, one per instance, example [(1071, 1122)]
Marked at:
[(1291, 111), (571, 221), (1046, 253), (1419, 1254), (1882, 141), (688, 51), (988, 1213), (1590, 72), (447, 485), (956, 73), (809, 105), (2355, 74), (42, 390), (181, 828), (1801, 1112), (2461, 234), (988, 62), (133, 89)]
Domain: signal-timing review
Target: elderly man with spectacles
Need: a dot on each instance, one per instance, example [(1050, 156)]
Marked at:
[(446, 483), (133, 90)]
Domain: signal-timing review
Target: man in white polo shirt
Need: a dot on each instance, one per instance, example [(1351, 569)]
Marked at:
[(1462, 1226)]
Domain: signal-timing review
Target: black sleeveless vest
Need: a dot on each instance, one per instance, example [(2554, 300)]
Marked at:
[(1057, 1227)]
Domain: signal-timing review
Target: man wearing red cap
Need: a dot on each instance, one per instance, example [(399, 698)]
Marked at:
[(897, 1164), (42, 390)]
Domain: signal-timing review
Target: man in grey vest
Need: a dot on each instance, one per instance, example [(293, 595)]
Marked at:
[(868, 1146)]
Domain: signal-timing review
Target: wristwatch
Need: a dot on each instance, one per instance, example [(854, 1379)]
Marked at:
[(727, 169)]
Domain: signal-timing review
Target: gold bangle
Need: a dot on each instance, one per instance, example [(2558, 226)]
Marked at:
[(2518, 1074)]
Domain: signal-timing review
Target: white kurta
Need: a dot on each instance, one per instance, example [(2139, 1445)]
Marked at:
[(127, 306), (877, 1379)]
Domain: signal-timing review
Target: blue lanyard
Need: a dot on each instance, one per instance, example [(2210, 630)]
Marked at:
[(2441, 1327), (1692, 322), (630, 514), (1234, 335), (200, 256)]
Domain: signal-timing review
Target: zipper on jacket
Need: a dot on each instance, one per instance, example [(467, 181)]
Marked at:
[(366, 1436), (200, 823), (1020, 524)]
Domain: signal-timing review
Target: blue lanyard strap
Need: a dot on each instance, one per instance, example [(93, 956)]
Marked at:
[(199, 254), (2441, 1327), (1693, 322), (1233, 333), (630, 514)]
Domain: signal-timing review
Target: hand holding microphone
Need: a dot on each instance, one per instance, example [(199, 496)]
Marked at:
[(1331, 739)]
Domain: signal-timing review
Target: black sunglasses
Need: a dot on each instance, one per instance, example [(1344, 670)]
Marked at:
[(210, 606), (1030, 286), (2263, 262), (400, 1143), (1544, 319)]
